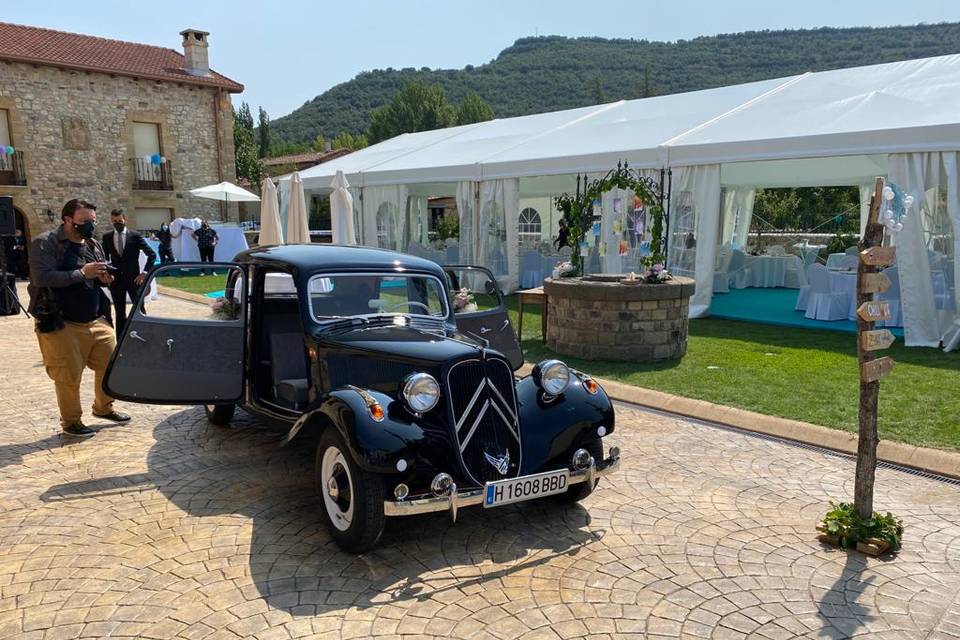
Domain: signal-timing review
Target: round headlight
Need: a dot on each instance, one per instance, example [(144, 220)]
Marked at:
[(421, 392), (554, 376)]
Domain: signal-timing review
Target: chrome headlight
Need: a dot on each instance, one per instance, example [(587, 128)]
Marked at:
[(552, 375), (421, 392)]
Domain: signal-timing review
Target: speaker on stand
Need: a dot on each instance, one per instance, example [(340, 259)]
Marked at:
[(9, 302)]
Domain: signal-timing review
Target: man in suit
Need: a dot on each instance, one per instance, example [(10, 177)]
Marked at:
[(123, 247)]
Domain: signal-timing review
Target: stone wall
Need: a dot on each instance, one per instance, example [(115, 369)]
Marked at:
[(612, 321), (76, 131)]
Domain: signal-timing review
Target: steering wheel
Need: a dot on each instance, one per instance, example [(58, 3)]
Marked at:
[(409, 303)]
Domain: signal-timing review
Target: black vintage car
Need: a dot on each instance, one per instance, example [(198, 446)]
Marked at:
[(403, 369)]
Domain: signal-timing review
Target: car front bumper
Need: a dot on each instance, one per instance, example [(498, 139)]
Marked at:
[(472, 497)]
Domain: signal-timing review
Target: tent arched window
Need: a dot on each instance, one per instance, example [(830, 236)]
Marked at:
[(530, 226)]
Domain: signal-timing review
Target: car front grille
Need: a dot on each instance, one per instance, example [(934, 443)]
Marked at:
[(483, 407)]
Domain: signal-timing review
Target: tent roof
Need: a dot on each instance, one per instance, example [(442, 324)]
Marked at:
[(879, 109)]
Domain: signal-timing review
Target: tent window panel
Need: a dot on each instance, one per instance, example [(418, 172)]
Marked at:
[(386, 227), (531, 228)]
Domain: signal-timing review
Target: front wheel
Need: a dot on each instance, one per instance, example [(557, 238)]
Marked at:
[(581, 490), (352, 499), (219, 414)]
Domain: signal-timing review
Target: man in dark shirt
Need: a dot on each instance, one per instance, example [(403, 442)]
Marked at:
[(67, 270), (207, 239), (123, 247)]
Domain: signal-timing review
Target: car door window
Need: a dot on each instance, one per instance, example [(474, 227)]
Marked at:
[(480, 312)]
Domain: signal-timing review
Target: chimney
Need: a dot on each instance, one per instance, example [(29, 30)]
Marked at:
[(328, 145), (195, 52)]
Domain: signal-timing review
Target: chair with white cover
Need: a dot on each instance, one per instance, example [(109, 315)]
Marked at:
[(803, 295), (850, 262), (721, 276), (739, 275), (565, 251), (892, 296), (822, 302), (852, 251), (453, 253), (809, 257), (530, 273)]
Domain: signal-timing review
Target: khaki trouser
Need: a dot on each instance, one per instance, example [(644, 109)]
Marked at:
[(66, 352)]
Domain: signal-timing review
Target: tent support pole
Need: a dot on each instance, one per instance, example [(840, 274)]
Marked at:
[(665, 207)]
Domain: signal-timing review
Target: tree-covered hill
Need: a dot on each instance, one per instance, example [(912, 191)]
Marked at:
[(553, 72)]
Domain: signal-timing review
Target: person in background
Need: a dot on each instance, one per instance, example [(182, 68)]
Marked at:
[(165, 239), (67, 272), (207, 239), (18, 258), (123, 247), (563, 236)]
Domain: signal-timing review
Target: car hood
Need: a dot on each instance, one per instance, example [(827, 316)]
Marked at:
[(401, 343)]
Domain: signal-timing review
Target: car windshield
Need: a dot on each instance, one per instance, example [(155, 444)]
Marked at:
[(351, 295)]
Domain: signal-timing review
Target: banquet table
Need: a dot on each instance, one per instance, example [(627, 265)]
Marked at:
[(771, 271)]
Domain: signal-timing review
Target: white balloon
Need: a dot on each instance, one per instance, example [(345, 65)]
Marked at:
[(898, 226), (908, 202), (887, 193)]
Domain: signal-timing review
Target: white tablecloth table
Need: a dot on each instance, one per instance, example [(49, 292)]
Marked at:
[(771, 271), (846, 282), (231, 240), (837, 260)]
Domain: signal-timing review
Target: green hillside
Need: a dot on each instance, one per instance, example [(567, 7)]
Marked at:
[(553, 72)]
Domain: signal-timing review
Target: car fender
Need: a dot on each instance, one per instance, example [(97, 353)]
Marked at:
[(376, 446), (553, 426)]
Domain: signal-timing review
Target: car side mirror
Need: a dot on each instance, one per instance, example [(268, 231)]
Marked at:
[(490, 286)]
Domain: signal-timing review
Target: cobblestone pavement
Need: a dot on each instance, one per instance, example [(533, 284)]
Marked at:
[(168, 527)]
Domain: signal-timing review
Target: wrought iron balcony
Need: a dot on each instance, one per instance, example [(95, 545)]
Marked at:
[(12, 170), (152, 177)]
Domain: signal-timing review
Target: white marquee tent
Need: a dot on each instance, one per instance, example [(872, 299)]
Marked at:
[(843, 127)]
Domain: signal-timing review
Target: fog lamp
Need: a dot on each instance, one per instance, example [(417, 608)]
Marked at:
[(581, 459), (441, 484)]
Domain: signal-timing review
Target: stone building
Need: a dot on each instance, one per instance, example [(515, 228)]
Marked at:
[(123, 125)]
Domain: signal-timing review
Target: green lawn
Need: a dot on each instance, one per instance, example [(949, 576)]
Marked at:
[(195, 283), (802, 374)]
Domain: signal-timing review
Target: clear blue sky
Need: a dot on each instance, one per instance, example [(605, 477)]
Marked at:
[(287, 52)]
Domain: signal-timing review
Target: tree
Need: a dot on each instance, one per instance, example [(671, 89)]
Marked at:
[(347, 140), (646, 88), (264, 133), (473, 109), (319, 143), (596, 90), (246, 150), (415, 107)]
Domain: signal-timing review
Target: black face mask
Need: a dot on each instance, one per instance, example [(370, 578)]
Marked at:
[(85, 229), (118, 226)]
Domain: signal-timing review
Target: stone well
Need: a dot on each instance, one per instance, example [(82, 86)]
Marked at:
[(598, 318)]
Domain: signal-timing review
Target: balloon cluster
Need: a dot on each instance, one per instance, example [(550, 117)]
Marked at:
[(8, 150), (896, 205), (156, 158)]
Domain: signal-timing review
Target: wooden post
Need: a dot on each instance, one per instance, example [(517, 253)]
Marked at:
[(869, 373)]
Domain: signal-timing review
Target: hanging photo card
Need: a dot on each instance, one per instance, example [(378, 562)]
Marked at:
[(584, 249), (624, 247), (617, 227), (603, 248), (596, 203), (596, 228), (644, 249), (637, 202), (617, 202)]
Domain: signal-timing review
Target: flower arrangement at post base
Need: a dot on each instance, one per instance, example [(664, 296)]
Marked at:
[(463, 301)]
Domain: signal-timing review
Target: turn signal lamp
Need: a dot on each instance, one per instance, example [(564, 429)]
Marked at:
[(376, 412), (591, 386)]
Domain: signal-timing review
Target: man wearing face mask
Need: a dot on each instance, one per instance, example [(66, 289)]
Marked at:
[(67, 272), (123, 247)]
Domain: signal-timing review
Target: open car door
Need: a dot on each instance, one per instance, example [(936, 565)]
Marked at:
[(177, 351), (480, 311)]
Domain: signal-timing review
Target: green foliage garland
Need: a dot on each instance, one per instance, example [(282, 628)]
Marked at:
[(578, 211)]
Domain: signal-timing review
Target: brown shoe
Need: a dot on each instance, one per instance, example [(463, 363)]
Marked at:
[(78, 430), (115, 416)]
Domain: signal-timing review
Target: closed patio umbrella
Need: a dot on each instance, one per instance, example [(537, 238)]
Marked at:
[(297, 230), (341, 211), (270, 232)]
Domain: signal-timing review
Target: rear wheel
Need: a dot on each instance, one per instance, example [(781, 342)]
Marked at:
[(219, 414), (581, 490), (351, 498)]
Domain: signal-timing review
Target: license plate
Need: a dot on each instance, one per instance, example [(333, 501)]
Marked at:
[(525, 488)]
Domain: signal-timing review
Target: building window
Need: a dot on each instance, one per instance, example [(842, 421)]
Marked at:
[(530, 226), (150, 219)]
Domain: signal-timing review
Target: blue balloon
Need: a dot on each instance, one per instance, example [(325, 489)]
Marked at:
[(9, 150), (155, 158)]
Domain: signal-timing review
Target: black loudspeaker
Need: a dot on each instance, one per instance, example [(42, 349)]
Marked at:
[(8, 221), (9, 303)]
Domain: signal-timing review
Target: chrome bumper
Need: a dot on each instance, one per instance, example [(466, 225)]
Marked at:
[(457, 499)]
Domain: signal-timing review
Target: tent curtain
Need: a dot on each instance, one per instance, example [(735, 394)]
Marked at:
[(951, 267), (497, 241), (866, 192), (466, 210), (357, 193), (384, 214), (737, 215), (694, 230), (919, 174), (419, 221)]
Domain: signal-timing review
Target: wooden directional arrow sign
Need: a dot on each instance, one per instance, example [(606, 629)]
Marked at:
[(878, 256), (875, 340), (873, 311), (876, 369), (874, 282)]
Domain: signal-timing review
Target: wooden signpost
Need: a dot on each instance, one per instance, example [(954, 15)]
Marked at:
[(876, 340), (869, 340)]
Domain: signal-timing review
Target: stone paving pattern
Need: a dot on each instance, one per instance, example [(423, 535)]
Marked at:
[(168, 527)]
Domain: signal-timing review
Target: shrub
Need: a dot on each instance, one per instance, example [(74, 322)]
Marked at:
[(843, 522)]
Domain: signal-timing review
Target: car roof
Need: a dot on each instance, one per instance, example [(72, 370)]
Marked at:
[(311, 258)]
